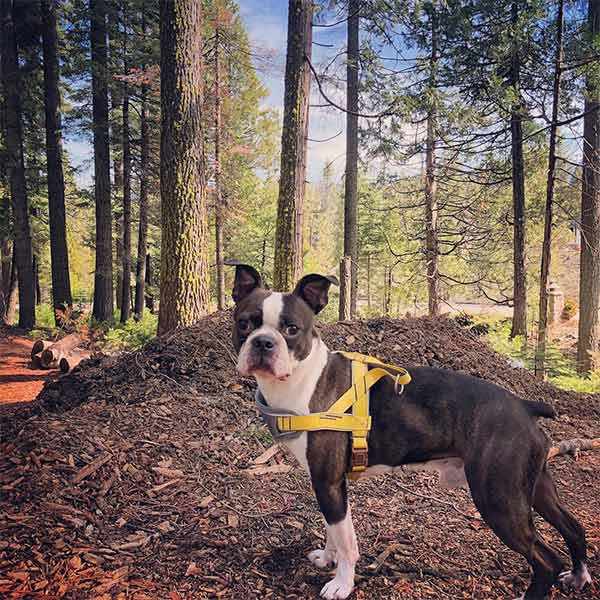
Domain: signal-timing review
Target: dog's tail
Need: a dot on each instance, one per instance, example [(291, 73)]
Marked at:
[(537, 408)]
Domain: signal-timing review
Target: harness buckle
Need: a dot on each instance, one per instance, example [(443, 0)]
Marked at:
[(360, 459)]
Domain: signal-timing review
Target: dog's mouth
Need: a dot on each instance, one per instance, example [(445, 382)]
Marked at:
[(263, 366)]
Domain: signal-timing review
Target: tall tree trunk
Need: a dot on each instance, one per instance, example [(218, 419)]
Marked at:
[(589, 275), (36, 278), (519, 322), (431, 201), (59, 254), (292, 179), (103, 284), (149, 297), (140, 271), (12, 291), (126, 264), (218, 188), (351, 179), (540, 355), (184, 276), (6, 265), (16, 167)]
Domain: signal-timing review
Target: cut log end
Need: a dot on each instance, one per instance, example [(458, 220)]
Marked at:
[(38, 347), (68, 363)]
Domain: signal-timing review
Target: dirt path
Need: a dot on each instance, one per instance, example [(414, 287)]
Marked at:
[(18, 383)]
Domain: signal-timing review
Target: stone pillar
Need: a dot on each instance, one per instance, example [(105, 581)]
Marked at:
[(556, 302)]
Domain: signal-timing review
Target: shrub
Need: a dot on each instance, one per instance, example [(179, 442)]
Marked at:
[(569, 309), (133, 334)]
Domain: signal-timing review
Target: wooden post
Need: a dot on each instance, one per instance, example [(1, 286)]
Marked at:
[(345, 288)]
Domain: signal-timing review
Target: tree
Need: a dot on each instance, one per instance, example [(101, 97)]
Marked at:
[(16, 168), (184, 289), (103, 284), (127, 166), (519, 321), (589, 275), (351, 179), (550, 185), (288, 235), (431, 201), (61, 283)]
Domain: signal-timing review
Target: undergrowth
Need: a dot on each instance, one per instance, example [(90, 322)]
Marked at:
[(561, 369)]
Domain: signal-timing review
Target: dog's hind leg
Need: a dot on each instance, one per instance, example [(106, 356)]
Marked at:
[(547, 503), (506, 508)]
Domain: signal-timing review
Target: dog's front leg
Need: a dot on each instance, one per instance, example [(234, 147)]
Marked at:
[(334, 505), (327, 557)]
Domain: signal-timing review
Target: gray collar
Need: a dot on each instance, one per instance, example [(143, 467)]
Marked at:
[(269, 416)]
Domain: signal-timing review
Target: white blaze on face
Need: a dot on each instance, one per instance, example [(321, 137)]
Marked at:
[(279, 360)]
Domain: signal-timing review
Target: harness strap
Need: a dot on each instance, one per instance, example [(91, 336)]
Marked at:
[(358, 423)]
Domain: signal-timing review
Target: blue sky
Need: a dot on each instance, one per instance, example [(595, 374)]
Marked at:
[(266, 23)]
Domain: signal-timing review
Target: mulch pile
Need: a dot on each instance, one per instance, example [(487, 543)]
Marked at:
[(148, 475)]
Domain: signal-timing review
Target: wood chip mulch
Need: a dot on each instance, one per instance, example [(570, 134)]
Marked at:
[(149, 476)]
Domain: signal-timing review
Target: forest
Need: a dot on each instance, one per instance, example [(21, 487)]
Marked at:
[(469, 148), (436, 162)]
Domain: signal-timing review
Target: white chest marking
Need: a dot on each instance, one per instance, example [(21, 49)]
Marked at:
[(296, 391)]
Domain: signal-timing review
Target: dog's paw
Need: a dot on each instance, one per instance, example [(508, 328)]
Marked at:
[(322, 558), (337, 589), (576, 580)]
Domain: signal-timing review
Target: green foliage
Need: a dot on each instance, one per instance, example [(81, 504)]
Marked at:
[(561, 369), (132, 334), (569, 309)]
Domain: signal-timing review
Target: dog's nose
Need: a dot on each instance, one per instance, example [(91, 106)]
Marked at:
[(263, 343)]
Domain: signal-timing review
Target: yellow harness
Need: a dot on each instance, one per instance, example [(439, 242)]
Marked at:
[(358, 422)]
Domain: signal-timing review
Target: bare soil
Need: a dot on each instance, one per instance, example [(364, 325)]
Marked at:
[(18, 383), (134, 477)]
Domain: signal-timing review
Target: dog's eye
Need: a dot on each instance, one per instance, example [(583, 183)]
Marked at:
[(291, 330), (243, 325)]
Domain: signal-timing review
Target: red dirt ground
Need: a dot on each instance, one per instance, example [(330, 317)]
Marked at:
[(18, 383)]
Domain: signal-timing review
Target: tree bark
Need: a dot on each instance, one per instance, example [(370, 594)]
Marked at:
[(219, 251), (63, 347), (184, 289), (292, 179), (59, 254), (16, 168), (540, 354), (140, 272), (149, 296), (431, 201), (351, 178), (103, 284), (36, 279), (345, 312), (12, 293), (126, 264), (589, 273), (519, 322)]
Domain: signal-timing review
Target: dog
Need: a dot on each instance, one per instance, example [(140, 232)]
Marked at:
[(472, 431)]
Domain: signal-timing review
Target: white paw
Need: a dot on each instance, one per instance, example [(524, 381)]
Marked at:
[(337, 589), (322, 558), (576, 580)]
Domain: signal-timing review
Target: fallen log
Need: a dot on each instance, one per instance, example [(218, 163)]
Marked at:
[(61, 348), (36, 363), (39, 346), (68, 363), (573, 447)]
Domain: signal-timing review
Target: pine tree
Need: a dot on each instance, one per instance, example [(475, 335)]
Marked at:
[(184, 289), (589, 277), (288, 236), (23, 254), (61, 283), (103, 284)]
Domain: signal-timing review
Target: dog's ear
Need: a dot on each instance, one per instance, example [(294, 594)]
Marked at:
[(247, 279), (314, 290)]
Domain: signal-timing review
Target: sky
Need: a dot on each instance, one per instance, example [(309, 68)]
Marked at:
[(266, 23)]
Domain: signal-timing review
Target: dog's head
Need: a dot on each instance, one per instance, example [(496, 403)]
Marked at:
[(273, 331)]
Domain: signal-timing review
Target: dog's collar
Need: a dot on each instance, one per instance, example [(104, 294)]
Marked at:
[(286, 424)]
